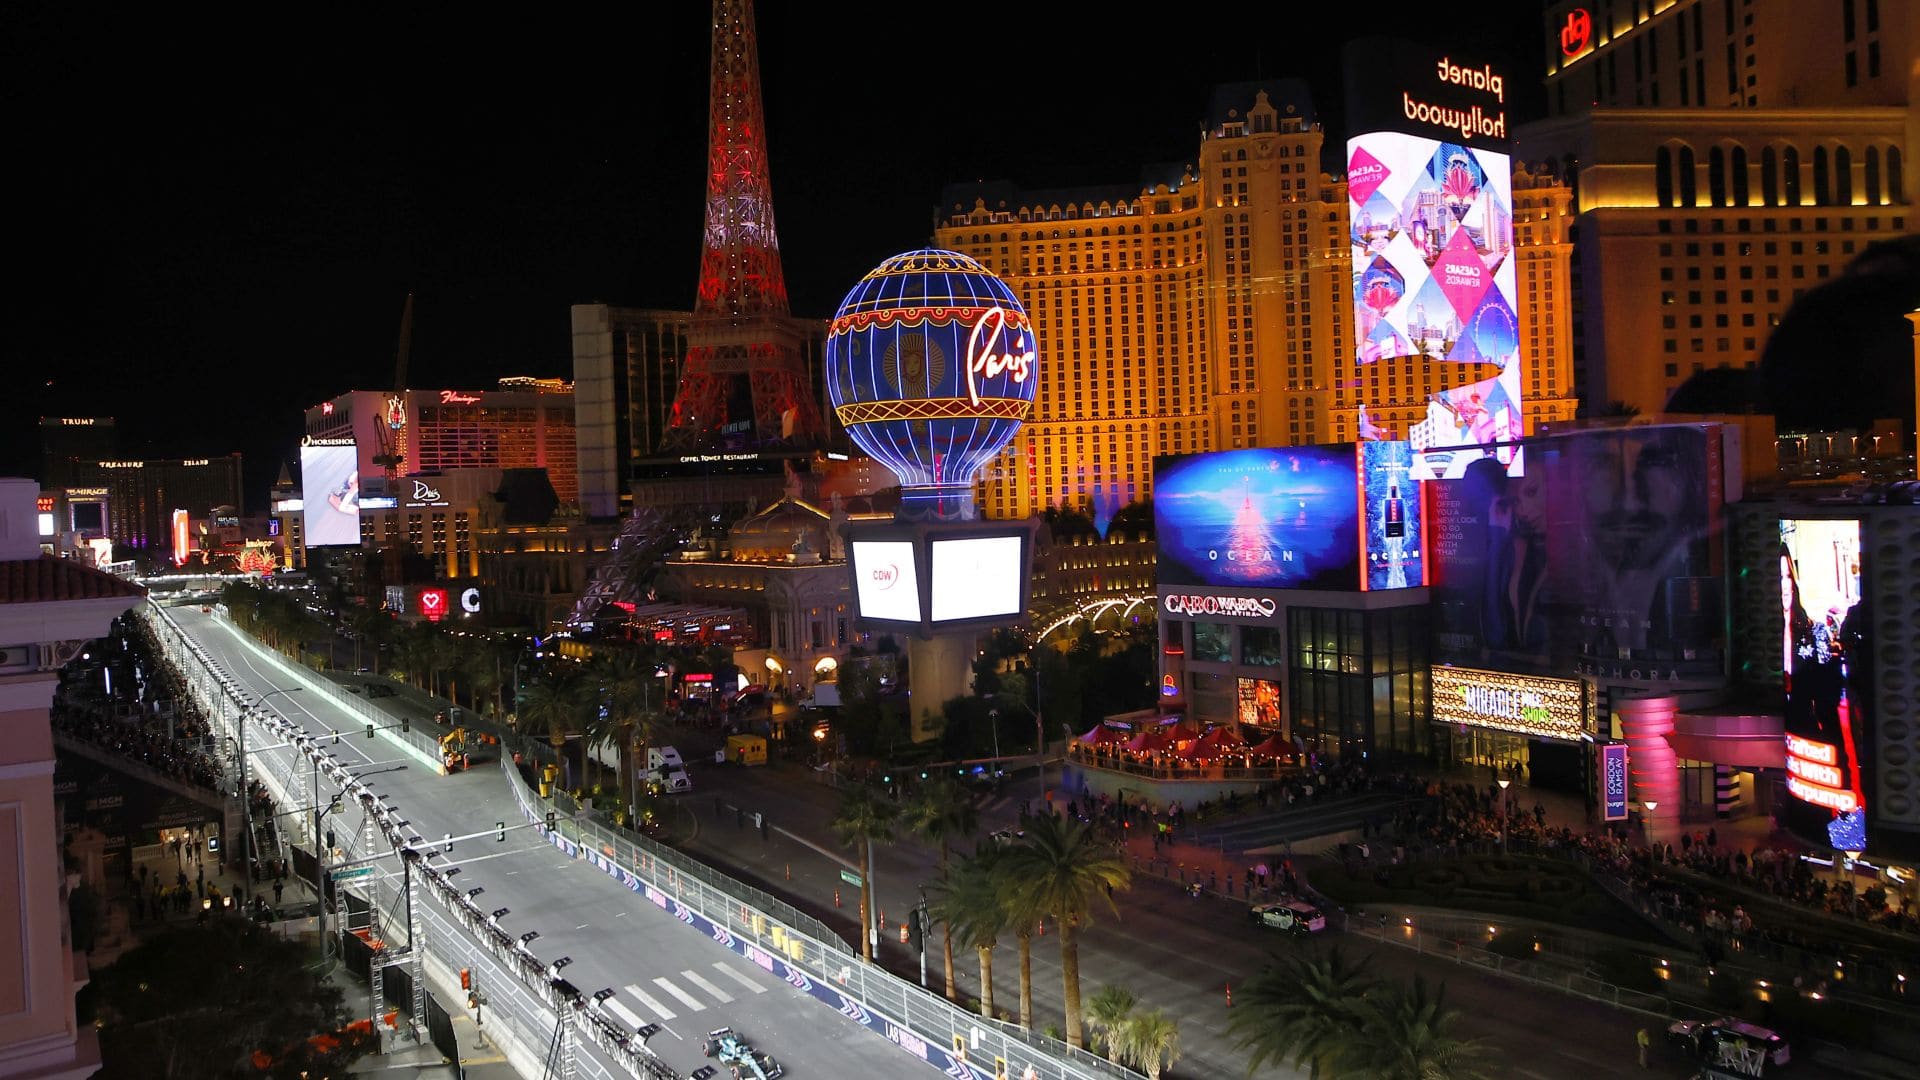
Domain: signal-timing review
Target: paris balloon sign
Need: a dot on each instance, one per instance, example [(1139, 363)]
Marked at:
[(932, 367)]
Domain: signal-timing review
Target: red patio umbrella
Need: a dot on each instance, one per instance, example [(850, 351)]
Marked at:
[(1272, 746), (1148, 741), (1214, 742), (1102, 735)]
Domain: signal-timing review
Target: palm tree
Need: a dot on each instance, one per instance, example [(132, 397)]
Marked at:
[(938, 812), (554, 707), (1407, 1033), (968, 900), (626, 680), (865, 818), (1302, 1010), (1149, 1040), (1107, 1015), (1061, 867)]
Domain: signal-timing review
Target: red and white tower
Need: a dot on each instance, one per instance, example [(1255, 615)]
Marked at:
[(745, 381)]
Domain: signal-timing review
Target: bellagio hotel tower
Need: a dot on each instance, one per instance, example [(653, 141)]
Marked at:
[(1209, 307)]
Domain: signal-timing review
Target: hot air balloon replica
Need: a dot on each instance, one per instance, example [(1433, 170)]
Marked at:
[(932, 367)]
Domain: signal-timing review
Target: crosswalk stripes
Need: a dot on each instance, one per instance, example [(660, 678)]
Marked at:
[(695, 978), (686, 999), (728, 971), (648, 1000), (632, 1018)]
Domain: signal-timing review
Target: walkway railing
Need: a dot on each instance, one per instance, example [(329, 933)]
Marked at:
[(800, 949), (1165, 768)]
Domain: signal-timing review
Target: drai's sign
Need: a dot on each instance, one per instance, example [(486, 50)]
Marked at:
[(1545, 708), (1246, 607)]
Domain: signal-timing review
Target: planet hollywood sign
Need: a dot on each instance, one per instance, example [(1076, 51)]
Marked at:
[(1246, 607)]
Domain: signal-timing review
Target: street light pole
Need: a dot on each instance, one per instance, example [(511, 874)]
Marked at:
[(1503, 815)]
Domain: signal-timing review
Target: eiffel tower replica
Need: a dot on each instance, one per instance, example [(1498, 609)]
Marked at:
[(745, 382)]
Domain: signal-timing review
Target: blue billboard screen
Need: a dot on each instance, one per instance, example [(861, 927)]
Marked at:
[(1396, 529), (1282, 518)]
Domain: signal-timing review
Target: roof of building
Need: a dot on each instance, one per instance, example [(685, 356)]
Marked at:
[(1232, 101), (46, 579)]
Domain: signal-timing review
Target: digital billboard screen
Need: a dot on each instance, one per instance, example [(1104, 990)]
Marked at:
[(1430, 205), (1603, 559), (1282, 518), (977, 577), (1395, 524), (330, 493), (1825, 647), (1259, 701), (886, 584)]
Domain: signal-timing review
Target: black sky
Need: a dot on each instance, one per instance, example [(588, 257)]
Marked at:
[(223, 212)]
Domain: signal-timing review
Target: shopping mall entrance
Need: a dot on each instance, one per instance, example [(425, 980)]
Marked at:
[(1544, 763)]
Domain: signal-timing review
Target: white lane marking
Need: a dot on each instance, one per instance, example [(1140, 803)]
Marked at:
[(686, 999), (648, 1000), (725, 969), (582, 926), (694, 978), (633, 1019)]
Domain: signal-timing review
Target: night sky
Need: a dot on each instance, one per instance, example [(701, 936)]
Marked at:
[(222, 216)]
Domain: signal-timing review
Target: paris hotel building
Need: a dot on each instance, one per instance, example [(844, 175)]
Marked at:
[(1209, 307)]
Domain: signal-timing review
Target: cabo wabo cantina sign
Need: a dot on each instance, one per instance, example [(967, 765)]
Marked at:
[(1542, 708), (1246, 607)]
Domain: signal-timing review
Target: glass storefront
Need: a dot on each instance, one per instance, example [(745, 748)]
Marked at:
[(1212, 643), (1358, 681)]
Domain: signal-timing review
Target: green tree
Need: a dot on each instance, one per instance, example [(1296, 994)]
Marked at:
[(968, 901), (1149, 1041), (1407, 1032), (939, 813), (1063, 867), (200, 1001), (865, 818), (1303, 1010), (1107, 1014), (554, 706), (625, 682)]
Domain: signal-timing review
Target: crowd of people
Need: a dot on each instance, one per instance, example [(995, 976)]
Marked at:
[(138, 709)]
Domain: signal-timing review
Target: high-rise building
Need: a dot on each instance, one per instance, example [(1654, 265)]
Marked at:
[(67, 439), (132, 500), (1210, 307), (524, 424), (1726, 156)]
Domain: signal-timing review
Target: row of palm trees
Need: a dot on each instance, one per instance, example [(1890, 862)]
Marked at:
[(1058, 870), (1322, 1012)]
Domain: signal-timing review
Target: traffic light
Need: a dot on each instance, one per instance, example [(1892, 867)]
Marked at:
[(552, 819), (466, 978), (369, 731), (501, 834), (336, 737), (330, 843), (913, 931), (473, 999), (406, 724)]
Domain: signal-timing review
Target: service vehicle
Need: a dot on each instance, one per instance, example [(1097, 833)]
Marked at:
[(666, 769), (746, 750), (1291, 914), (1731, 1042)]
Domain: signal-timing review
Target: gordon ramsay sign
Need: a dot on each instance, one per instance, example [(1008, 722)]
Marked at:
[(1542, 708)]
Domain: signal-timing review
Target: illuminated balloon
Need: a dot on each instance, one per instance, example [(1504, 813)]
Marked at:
[(932, 368)]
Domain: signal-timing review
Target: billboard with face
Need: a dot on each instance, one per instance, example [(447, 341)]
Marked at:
[(330, 493), (1602, 560), (1284, 518), (1430, 201), (1395, 523), (1825, 647)]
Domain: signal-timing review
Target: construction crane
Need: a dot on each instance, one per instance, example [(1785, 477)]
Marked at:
[(389, 428)]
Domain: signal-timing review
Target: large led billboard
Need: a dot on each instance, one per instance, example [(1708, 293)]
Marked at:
[(1395, 524), (1603, 560), (330, 492), (1430, 202), (977, 577), (886, 583), (1824, 646), (1283, 518)]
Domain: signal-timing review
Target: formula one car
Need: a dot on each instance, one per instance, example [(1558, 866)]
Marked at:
[(727, 1045)]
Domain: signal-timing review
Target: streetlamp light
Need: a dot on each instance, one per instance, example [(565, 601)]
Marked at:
[(1503, 815), (1651, 806)]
